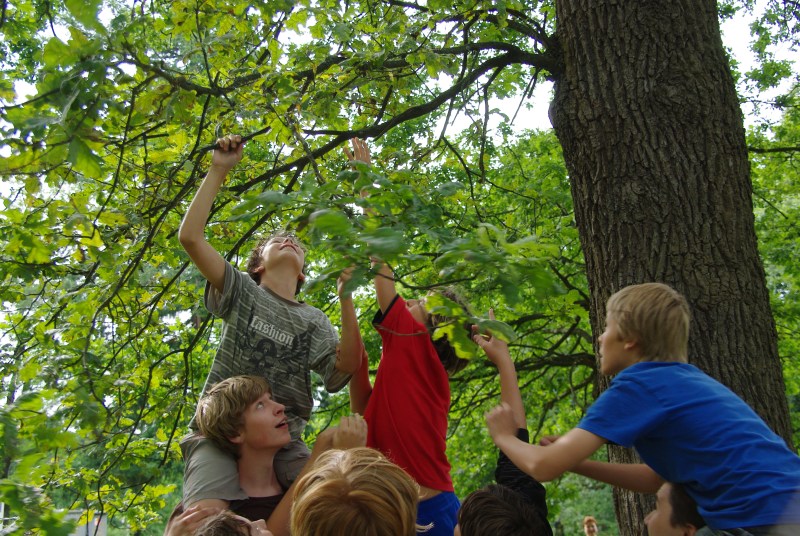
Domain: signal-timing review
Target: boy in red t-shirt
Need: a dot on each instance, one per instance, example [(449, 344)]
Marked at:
[(406, 410)]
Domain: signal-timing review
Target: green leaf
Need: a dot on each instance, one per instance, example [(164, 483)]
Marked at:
[(83, 159), (56, 53), (84, 11), (331, 222)]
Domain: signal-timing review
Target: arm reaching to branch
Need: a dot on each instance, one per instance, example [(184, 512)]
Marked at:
[(497, 352), (192, 232), (351, 346)]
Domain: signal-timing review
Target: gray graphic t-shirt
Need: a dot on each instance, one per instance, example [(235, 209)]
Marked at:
[(266, 335)]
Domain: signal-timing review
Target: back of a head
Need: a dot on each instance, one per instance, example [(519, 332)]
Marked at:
[(452, 363), (220, 412), (656, 316), (356, 491), (497, 510)]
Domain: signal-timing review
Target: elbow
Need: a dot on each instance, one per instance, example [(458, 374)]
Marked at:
[(185, 237), (543, 472), (188, 239)]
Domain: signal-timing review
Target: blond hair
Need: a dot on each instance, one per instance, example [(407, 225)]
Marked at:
[(656, 316), (356, 491), (220, 413)]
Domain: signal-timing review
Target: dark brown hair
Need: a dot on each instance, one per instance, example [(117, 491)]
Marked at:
[(254, 260), (447, 354), (499, 511)]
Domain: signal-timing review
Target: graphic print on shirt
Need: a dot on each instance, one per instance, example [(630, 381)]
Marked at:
[(273, 353)]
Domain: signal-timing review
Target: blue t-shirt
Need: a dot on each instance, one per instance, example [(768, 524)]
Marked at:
[(691, 429)]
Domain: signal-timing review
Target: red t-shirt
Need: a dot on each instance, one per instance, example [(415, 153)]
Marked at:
[(407, 412)]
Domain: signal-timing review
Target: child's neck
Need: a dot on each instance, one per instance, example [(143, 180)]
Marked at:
[(281, 281), (256, 474)]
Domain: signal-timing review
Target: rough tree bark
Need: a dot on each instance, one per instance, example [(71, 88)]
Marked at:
[(647, 114)]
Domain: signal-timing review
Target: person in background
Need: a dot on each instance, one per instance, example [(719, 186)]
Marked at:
[(590, 526)]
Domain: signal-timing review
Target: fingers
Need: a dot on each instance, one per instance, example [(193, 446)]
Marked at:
[(191, 519), (481, 339), (351, 432), (231, 142), (360, 151), (259, 528), (346, 274)]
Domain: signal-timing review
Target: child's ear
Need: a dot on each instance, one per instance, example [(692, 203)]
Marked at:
[(259, 269), (631, 344), (236, 440), (301, 277), (689, 530)]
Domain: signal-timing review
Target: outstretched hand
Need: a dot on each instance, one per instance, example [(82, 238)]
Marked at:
[(341, 282), (228, 152), (360, 152), (496, 349)]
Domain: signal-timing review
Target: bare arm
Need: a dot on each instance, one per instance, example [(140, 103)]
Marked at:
[(497, 352), (637, 477), (360, 387), (192, 232), (385, 290), (543, 463), (350, 349)]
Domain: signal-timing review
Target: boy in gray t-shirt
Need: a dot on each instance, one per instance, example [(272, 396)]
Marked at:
[(266, 331)]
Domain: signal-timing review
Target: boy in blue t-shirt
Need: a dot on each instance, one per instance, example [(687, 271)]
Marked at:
[(687, 427)]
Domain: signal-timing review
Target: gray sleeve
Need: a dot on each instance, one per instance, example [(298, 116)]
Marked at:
[(220, 303)]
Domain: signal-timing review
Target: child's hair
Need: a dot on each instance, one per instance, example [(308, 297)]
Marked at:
[(497, 510), (219, 414), (225, 523), (589, 519), (254, 261), (684, 509), (356, 491), (447, 354), (655, 316)]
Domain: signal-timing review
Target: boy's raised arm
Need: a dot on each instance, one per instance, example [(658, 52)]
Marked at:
[(385, 290), (192, 231), (360, 387), (348, 357), (497, 352)]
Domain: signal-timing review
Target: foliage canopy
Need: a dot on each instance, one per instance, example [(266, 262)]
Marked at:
[(105, 341)]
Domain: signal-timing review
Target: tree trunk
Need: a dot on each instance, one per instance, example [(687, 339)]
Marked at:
[(647, 114)]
